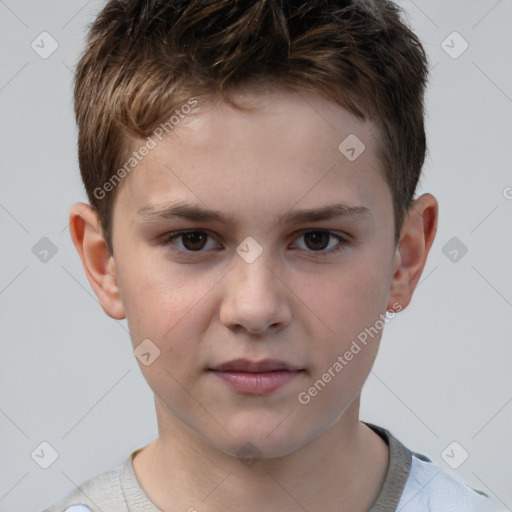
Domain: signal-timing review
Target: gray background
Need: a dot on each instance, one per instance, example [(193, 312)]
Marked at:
[(67, 372)]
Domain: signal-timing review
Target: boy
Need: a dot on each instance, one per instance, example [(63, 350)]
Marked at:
[(219, 143)]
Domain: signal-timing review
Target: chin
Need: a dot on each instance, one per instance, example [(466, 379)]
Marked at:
[(263, 438)]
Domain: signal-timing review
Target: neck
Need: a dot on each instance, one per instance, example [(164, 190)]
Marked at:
[(342, 470)]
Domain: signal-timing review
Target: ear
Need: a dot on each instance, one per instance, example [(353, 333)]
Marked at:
[(99, 265), (416, 238)]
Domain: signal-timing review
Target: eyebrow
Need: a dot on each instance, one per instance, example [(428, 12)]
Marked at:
[(198, 213)]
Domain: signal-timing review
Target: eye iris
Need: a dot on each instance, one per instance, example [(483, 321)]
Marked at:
[(317, 238), (194, 241)]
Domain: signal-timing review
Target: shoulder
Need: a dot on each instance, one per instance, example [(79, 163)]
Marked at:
[(103, 493), (431, 488)]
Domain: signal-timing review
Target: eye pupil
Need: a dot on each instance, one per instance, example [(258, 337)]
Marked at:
[(319, 239), (194, 241)]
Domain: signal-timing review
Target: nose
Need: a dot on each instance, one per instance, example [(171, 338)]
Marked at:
[(255, 298)]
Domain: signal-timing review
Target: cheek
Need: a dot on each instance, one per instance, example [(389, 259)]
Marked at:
[(346, 309), (173, 317), (347, 300), (159, 300)]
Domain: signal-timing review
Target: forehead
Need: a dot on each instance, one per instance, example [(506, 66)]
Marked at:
[(299, 117), (291, 147)]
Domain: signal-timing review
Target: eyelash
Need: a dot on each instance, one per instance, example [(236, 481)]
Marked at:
[(169, 239)]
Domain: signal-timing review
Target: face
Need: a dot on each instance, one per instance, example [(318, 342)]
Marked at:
[(254, 237)]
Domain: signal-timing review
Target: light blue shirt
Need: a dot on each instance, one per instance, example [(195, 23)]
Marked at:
[(430, 488)]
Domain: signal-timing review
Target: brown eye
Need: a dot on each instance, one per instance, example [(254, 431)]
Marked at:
[(190, 241), (317, 240), (321, 242), (194, 241)]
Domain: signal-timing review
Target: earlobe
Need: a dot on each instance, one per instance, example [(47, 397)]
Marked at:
[(417, 236), (99, 265)]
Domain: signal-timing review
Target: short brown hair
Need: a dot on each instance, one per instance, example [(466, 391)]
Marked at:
[(146, 57)]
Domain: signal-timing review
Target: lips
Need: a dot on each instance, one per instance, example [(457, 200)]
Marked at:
[(256, 377), (245, 365)]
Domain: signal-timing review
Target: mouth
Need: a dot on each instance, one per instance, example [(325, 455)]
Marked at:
[(256, 377)]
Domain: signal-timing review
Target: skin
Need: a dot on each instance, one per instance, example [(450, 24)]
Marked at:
[(292, 303)]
